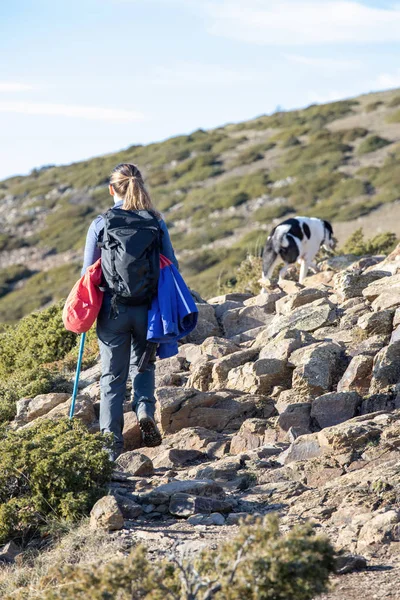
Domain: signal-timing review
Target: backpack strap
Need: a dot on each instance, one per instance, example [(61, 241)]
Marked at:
[(102, 241)]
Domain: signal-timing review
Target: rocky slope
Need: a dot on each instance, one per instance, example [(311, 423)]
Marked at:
[(220, 191), (287, 401)]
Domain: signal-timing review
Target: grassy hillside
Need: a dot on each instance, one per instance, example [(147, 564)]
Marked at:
[(220, 192)]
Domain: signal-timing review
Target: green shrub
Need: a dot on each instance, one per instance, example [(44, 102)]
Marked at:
[(259, 563), (38, 291), (383, 243), (350, 188), (266, 213), (348, 212), (372, 106), (372, 143), (252, 154), (350, 135), (37, 339), (59, 237), (394, 102), (10, 275), (246, 277), (394, 117), (51, 470), (10, 242)]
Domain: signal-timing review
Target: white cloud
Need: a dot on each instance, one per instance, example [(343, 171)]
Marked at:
[(388, 80), (334, 64), (74, 111), (298, 22), (13, 86), (198, 74)]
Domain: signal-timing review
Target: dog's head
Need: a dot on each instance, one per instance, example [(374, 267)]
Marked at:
[(329, 241)]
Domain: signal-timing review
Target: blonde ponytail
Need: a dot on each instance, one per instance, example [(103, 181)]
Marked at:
[(128, 184)]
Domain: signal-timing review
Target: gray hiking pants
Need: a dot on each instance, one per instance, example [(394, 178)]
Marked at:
[(122, 342)]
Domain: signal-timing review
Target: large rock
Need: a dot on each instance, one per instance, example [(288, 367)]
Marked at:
[(260, 377), (390, 298), (131, 432), (239, 320), (195, 487), (207, 325), (309, 318), (168, 367), (267, 301), (184, 505), (381, 528), (298, 416), (287, 304), (84, 411), (222, 366), (250, 436), (217, 347), (106, 514), (368, 347), (175, 457), (9, 552), (386, 369), (377, 323), (349, 436), (135, 464), (201, 376), (194, 438), (350, 284), (180, 408), (43, 404), (303, 448), (282, 346), (357, 377), (375, 289), (334, 408), (318, 368)]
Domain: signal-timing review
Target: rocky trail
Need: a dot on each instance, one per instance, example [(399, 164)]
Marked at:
[(285, 402)]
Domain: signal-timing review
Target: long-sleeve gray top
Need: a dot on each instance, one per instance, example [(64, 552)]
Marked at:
[(93, 252)]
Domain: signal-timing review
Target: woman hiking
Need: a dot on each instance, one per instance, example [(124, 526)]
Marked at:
[(128, 238)]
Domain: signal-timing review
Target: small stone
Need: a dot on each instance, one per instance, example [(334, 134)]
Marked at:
[(9, 552), (135, 464), (106, 514), (214, 519), (348, 563)]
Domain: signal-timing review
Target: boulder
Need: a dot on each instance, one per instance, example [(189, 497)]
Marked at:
[(233, 296), (131, 432), (181, 408), (303, 448), (351, 283), (287, 304), (242, 319), (386, 368), (43, 404), (375, 289), (201, 377), (221, 309), (378, 530), (389, 299), (377, 323), (192, 438), (217, 347), (369, 347), (129, 508), (106, 514), (357, 377), (223, 469), (207, 325), (168, 367), (309, 318), (267, 301), (89, 376), (282, 346), (175, 457), (378, 402), (222, 366), (184, 505), (9, 552), (135, 464), (349, 436), (249, 437), (318, 368), (298, 416), (334, 408), (260, 377), (84, 411), (194, 487), (349, 563)]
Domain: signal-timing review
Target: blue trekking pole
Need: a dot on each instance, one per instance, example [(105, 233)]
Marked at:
[(78, 370)]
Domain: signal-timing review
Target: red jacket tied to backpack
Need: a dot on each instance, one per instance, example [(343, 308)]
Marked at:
[(84, 301)]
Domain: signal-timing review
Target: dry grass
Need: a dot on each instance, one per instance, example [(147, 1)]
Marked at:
[(80, 546)]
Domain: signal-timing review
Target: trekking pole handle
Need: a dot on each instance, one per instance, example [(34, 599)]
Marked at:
[(78, 370)]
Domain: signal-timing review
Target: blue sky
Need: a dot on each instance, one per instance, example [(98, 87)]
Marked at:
[(82, 78)]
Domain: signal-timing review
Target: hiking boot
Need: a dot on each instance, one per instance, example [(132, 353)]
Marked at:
[(150, 434)]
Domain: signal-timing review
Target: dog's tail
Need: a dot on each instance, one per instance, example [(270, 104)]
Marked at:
[(269, 257)]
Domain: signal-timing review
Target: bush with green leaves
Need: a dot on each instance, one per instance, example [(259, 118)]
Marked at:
[(49, 471), (260, 563), (10, 275), (372, 106), (383, 243), (372, 143), (252, 154)]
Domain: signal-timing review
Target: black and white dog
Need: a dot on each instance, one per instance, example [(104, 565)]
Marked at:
[(296, 240)]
